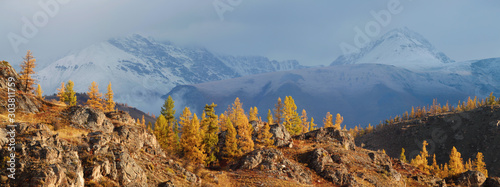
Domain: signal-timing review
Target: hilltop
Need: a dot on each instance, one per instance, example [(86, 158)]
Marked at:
[(470, 131)]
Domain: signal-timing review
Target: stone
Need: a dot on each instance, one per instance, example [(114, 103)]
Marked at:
[(470, 178), (330, 135), (273, 161), (281, 136), (90, 119)]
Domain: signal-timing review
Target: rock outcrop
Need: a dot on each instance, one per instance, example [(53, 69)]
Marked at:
[(281, 136), (273, 162), (89, 118), (112, 153), (321, 162), (468, 178), (24, 102), (329, 135)]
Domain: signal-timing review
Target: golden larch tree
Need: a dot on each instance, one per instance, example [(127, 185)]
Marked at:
[(402, 156), (480, 165), (143, 121), (110, 103), (269, 117), (191, 140), (434, 167), (160, 131), (39, 92), (253, 113), (61, 93), (313, 125), (291, 118), (278, 111), (328, 120), (338, 121), (456, 164), (230, 149), (95, 98), (421, 160), (305, 123), (28, 69), (240, 121)]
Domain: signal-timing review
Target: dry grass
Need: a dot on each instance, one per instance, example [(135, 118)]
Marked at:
[(70, 133)]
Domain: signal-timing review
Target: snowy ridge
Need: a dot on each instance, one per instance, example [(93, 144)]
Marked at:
[(142, 69), (400, 47)]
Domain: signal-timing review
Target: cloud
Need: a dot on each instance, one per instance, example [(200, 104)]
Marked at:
[(307, 31)]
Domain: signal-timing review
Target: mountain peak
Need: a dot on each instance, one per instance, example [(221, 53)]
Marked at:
[(400, 47)]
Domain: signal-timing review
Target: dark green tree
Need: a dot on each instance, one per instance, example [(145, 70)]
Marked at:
[(210, 122)]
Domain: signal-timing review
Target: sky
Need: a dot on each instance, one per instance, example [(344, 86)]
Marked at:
[(308, 31)]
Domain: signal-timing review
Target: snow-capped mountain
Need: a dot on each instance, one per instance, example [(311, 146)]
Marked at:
[(142, 69), (400, 47), (362, 93), (388, 77)]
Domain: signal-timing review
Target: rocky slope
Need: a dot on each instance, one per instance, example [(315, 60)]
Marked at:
[(470, 132)]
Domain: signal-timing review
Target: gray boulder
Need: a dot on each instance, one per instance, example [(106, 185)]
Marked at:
[(89, 118)]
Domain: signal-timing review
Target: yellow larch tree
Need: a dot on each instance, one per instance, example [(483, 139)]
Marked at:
[(480, 165), (39, 92), (240, 121), (421, 160), (61, 93), (313, 125), (328, 120), (95, 98), (291, 118), (338, 121), (110, 103), (305, 123), (191, 140), (230, 149), (402, 156), (27, 69), (253, 113), (269, 117), (434, 169), (456, 164)]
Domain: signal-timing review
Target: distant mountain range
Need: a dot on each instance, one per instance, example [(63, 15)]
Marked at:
[(384, 79), (387, 77), (142, 69)]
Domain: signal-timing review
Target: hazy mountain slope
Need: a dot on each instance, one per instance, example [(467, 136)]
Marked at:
[(142, 69), (399, 47), (363, 93), (470, 132)]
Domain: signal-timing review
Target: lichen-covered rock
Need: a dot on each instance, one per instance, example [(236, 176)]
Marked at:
[(129, 172), (24, 102), (468, 178), (329, 135), (273, 162), (89, 118), (281, 136), (321, 162)]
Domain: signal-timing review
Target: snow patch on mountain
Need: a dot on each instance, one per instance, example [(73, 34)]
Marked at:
[(400, 47), (142, 69)]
